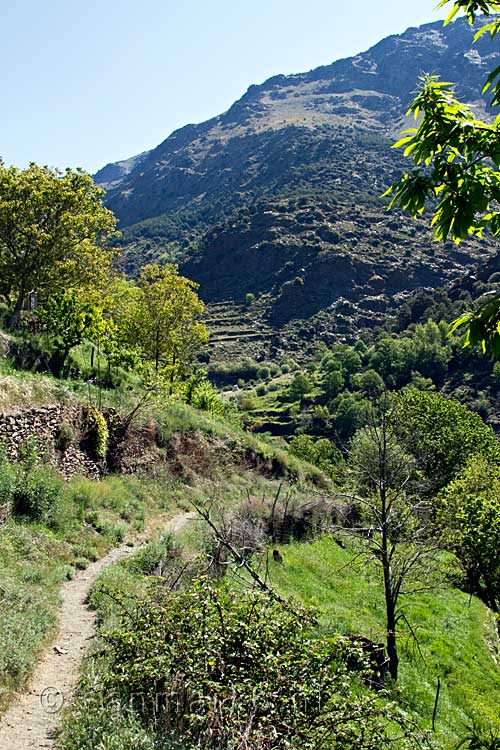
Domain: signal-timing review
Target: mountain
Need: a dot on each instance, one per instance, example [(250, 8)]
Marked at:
[(223, 198)]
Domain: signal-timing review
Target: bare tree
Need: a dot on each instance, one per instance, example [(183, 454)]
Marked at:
[(396, 531)]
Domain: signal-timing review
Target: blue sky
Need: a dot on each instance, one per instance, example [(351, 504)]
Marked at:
[(91, 81)]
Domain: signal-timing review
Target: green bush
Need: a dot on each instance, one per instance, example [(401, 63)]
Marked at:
[(65, 436), (32, 491), (154, 557), (37, 495), (238, 666)]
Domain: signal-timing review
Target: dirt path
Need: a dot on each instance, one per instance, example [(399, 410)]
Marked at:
[(31, 720)]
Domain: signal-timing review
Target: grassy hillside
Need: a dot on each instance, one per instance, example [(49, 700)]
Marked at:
[(454, 638)]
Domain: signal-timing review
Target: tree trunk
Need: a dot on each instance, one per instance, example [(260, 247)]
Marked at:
[(57, 361), (490, 594), (390, 599), (392, 650), (15, 317)]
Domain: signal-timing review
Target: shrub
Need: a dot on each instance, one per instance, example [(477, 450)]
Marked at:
[(206, 398), (261, 390), (32, 491), (263, 373), (246, 401), (36, 495), (98, 432), (65, 436), (322, 453), (238, 666), (155, 556)]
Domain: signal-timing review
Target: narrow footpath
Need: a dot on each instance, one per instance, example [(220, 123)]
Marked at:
[(32, 719)]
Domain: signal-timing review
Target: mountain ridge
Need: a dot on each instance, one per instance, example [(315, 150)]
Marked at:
[(220, 197)]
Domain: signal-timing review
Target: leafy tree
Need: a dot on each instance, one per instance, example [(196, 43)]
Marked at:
[(369, 382), (333, 383), (67, 318), (393, 359), (348, 358), (432, 350), (164, 323), (53, 232), (442, 434), (299, 387), (457, 169), (469, 513), (350, 412), (322, 453)]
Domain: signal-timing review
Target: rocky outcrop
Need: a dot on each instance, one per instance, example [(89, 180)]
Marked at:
[(59, 433)]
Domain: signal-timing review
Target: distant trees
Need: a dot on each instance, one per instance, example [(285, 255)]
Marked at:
[(322, 452), (53, 233), (299, 387)]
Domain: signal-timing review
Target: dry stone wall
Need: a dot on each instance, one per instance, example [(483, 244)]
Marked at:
[(42, 425)]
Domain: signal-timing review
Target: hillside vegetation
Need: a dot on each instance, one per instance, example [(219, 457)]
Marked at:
[(312, 498)]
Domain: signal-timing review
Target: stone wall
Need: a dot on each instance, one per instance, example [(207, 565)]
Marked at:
[(42, 424)]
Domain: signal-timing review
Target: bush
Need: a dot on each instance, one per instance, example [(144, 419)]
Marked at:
[(261, 390), (155, 556), (235, 667), (65, 436), (37, 495), (246, 401), (263, 373), (322, 453), (31, 491)]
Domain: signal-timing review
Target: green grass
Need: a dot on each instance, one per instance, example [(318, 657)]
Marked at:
[(35, 560), (456, 634)]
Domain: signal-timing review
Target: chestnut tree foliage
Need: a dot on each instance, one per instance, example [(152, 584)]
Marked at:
[(456, 170), (54, 233)]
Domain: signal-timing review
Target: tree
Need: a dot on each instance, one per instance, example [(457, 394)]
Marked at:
[(333, 383), (164, 323), (67, 318), (322, 452), (396, 534), (442, 434), (393, 359), (350, 412), (457, 170), (53, 232), (469, 514), (369, 382), (299, 387)]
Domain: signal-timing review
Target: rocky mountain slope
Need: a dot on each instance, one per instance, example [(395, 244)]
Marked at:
[(224, 197)]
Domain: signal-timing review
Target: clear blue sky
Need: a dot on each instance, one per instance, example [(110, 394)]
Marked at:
[(91, 81)]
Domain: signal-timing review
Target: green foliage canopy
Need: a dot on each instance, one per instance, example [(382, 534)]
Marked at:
[(53, 232), (442, 434), (163, 323), (469, 513)]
